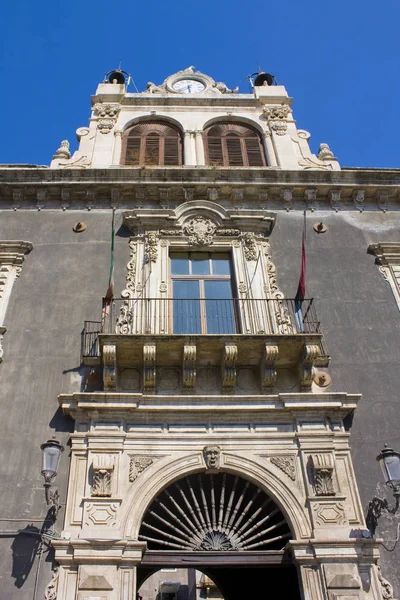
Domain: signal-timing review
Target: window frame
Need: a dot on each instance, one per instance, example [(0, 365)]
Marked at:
[(239, 130), (150, 128), (202, 278)]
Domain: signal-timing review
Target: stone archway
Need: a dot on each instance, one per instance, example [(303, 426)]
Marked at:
[(226, 527)]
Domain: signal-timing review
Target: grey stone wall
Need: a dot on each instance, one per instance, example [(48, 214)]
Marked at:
[(61, 285)]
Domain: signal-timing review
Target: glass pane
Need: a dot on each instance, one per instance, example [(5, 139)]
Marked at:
[(220, 310), (200, 264), (180, 264), (186, 306), (221, 264)]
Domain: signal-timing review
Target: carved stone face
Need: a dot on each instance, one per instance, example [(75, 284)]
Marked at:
[(211, 456)]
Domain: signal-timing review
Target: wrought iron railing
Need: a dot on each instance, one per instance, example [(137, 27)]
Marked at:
[(90, 340), (187, 316)]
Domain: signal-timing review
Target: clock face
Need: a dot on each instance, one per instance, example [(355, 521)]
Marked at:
[(188, 86)]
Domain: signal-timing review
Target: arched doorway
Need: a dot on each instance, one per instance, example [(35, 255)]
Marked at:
[(226, 527)]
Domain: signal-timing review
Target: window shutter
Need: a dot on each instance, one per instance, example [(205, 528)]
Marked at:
[(171, 151), (215, 156), (234, 149), (152, 153), (254, 152), (132, 151)]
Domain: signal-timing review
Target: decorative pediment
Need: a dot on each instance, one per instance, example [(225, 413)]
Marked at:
[(202, 84)]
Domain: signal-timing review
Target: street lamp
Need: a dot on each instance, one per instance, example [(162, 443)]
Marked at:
[(389, 461), (51, 453)]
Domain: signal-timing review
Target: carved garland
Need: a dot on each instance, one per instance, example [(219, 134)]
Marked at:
[(50, 592), (124, 323), (281, 312)]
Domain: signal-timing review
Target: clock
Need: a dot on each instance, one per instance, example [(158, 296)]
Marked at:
[(188, 86)]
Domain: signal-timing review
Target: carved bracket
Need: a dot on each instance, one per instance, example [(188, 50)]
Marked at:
[(189, 367), (311, 353), (103, 467), (268, 367), (229, 367), (149, 371), (50, 592), (110, 367), (322, 466)]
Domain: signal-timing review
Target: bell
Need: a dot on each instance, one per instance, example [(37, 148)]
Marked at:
[(262, 78), (116, 77)]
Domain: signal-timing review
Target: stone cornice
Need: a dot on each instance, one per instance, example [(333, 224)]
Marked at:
[(107, 403), (269, 188)]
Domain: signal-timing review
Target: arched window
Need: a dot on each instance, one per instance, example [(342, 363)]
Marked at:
[(156, 143), (234, 145)]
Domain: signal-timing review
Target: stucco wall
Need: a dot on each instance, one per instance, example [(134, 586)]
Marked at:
[(61, 285)]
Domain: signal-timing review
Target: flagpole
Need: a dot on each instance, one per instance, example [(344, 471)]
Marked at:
[(110, 290), (301, 288)]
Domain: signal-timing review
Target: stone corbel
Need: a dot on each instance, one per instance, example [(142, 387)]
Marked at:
[(358, 199), (103, 467), (334, 198), (322, 467), (189, 367), (311, 353), (287, 197), (149, 367), (229, 367), (268, 367), (110, 367)]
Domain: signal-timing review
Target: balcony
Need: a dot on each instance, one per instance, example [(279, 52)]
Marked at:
[(149, 334)]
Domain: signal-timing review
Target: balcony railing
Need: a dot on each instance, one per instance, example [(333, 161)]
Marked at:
[(143, 316)]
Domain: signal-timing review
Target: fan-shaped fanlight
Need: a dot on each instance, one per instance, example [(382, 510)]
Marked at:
[(216, 513)]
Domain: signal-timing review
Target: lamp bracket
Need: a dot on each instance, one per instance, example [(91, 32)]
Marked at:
[(375, 508)]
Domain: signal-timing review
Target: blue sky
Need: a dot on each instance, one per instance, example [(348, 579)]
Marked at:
[(339, 60)]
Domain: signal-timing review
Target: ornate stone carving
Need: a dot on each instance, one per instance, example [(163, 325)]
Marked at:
[(322, 465), (249, 245), (108, 116), (334, 198), (212, 194), (105, 125), (80, 162), (280, 127), (358, 199), (285, 464), (311, 198), (149, 367), (200, 231), (50, 593), (151, 246), (287, 197), (325, 153), (63, 150), (212, 458), (110, 367), (280, 111), (280, 311), (268, 367), (308, 163), (103, 467), (309, 356), (229, 367), (106, 110), (125, 319), (228, 232), (170, 232), (386, 587), (137, 464), (189, 367), (382, 199)]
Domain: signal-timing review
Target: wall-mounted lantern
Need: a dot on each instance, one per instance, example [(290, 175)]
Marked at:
[(51, 453), (389, 461)]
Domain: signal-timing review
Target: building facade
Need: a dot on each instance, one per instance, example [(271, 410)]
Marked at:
[(207, 416)]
